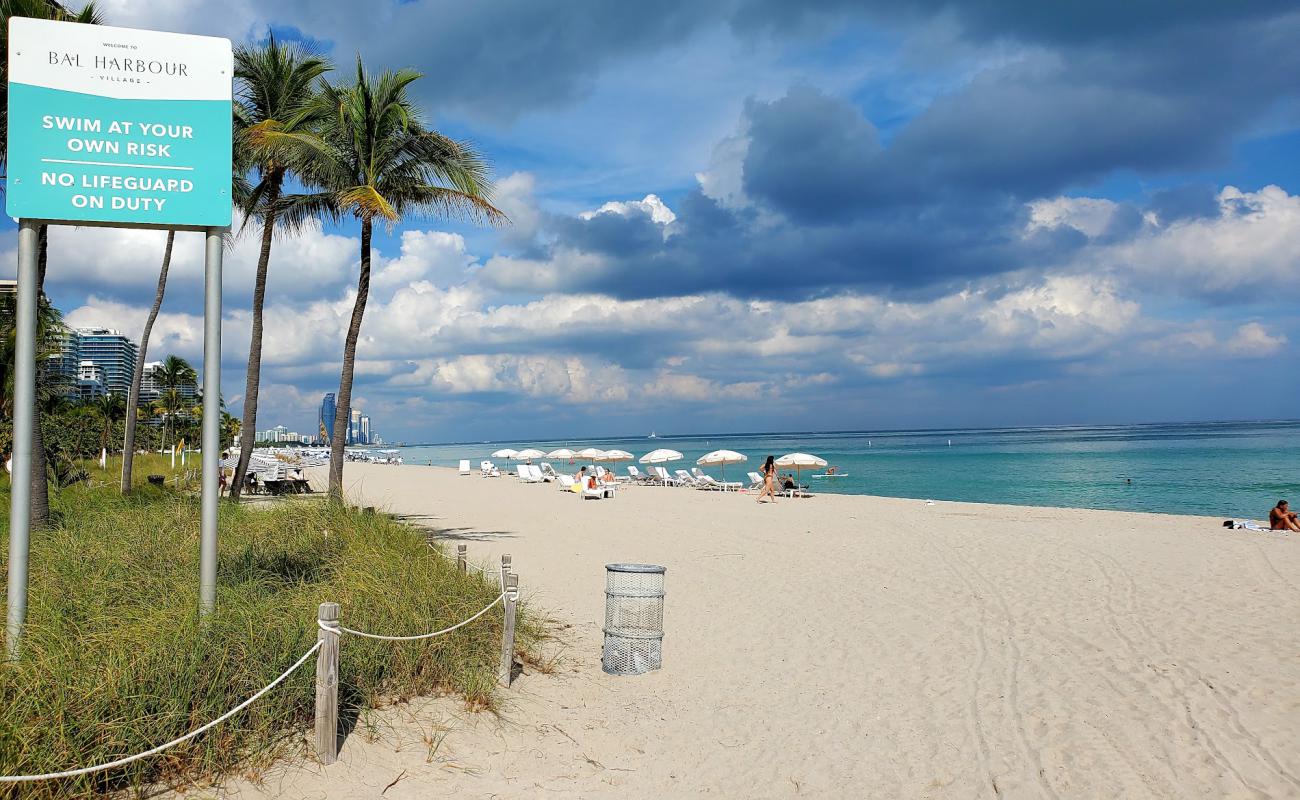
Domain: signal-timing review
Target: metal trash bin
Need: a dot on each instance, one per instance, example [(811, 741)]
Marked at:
[(634, 618)]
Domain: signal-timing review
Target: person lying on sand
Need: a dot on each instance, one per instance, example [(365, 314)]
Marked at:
[(1281, 518)]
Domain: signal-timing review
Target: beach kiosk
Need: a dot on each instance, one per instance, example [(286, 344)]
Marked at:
[(115, 127)]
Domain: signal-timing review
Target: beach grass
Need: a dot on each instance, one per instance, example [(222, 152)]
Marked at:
[(115, 659)]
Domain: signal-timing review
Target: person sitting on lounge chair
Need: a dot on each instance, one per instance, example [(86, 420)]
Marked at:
[(787, 482), (1281, 518)]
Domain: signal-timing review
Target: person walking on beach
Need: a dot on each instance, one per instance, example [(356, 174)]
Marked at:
[(769, 480), (1281, 518)]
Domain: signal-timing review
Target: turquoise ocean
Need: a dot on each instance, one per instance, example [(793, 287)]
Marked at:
[(1228, 469)]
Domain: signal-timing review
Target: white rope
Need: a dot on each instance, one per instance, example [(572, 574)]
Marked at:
[(72, 773), (487, 608)]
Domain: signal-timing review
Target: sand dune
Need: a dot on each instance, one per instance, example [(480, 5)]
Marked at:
[(859, 647)]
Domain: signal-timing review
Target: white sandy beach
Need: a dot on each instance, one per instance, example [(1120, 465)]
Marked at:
[(857, 647)]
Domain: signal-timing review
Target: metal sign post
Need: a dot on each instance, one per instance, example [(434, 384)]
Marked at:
[(211, 423), (20, 484), (127, 128)]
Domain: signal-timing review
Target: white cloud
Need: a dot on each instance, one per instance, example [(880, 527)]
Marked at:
[(650, 205), (1089, 215)]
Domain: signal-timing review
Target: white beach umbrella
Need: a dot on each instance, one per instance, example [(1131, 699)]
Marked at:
[(617, 455), (799, 461), (507, 454), (660, 456), (593, 454), (562, 454), (529, 454), (722, 458)]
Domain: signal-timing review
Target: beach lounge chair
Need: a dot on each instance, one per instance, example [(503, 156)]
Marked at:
[(755, 480), (638, 476), (489, 470), (565, 482), (600, 491), (464, 466), (548, 472), (527, 474), (685, 478), (710, 482), (663, 476)]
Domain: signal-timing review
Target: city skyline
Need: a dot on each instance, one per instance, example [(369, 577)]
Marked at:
[(865, 218)]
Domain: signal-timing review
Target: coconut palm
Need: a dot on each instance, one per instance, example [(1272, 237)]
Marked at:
[(137, 376), (173, 375), (367, 156), (275, 83), (40, 9), (109, 408)]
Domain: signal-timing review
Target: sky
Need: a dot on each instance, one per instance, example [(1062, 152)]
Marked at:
[(751, 215)]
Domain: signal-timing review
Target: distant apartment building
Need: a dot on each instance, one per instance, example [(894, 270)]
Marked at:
[(112, 352), (280, 434), (8, 286), (325, 421), (90, 381), (93, 361)]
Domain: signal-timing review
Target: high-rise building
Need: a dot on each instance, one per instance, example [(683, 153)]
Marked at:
[(90, 381), (354, 428), (325, 422), (365, 429), (151, 387), (112, 352)]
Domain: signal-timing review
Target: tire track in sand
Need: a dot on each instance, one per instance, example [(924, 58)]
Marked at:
[(1011, 654), (1191, 678)]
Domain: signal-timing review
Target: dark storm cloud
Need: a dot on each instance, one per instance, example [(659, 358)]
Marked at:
[(944, 200), (813, 157)]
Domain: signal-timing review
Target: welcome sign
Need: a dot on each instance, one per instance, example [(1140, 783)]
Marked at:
[(117, 126)]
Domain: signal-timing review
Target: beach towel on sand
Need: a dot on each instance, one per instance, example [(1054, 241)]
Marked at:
[(1245, 525)]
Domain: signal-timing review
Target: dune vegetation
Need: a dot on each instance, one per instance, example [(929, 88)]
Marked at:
[(115, 659)]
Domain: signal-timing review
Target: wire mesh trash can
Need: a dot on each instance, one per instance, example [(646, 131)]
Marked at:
[(634, 618)]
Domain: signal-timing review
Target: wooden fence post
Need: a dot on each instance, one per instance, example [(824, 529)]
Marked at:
[(327, 684), (506, 565), (460, 558), (508, 632)]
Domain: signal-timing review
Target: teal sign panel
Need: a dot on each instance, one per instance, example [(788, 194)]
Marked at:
[(117, 126)]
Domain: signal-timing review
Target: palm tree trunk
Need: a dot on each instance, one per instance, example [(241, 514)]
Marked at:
[(248, 430), (40, 499), (343, 414), (133, 399)]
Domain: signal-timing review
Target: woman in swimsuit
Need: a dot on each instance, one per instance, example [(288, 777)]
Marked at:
[(769, 480)]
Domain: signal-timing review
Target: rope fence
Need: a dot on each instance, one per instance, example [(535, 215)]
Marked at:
[(326, 651)]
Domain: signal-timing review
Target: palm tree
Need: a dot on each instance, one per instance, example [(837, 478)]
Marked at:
[(110, 408), (367, 156), (173, 375), (137, 376), (275, 91), (40, 9)]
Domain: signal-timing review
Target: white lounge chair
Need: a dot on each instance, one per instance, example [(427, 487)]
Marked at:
[(638, 476), (565, 482), (489, 470), (685, 478), (529, 474), (725, 486), (667, 479), (548, 472), (755, 480), (464, 466)]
